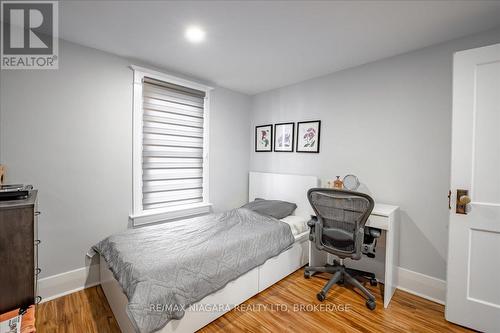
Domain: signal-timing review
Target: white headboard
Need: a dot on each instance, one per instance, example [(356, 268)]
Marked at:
[(275, 186)]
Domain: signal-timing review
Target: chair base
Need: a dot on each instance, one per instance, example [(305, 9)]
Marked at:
[(341, 275)]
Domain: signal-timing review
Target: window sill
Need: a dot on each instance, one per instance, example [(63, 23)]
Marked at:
[(168, 214)]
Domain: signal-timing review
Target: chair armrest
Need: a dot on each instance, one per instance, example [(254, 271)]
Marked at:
[(312, 227), (312, 223)]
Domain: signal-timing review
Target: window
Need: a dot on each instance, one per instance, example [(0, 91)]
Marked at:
[(170, 152)]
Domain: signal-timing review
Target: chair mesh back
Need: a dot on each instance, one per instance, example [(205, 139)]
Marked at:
[(341, 214)]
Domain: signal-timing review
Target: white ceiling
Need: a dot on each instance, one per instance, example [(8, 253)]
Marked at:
[(254, 46)]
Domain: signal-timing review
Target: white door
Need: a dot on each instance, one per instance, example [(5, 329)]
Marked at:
[(473, 277)]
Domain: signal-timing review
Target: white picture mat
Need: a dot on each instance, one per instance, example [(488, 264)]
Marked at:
[(280, 132)]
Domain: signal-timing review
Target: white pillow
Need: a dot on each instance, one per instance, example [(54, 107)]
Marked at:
[(298, 224)]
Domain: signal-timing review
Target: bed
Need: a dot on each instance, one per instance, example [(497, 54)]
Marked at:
[(290, 188)]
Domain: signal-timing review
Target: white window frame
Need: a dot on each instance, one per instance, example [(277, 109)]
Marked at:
[(138, 215)]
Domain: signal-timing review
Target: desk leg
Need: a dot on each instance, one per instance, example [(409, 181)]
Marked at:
[(316, 257), (391, 260)]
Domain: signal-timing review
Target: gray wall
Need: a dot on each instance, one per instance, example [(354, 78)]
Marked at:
[(229, 150), (388, 122), (69, 132)]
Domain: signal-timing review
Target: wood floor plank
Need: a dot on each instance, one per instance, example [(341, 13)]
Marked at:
[(288, 306), (83, 311)]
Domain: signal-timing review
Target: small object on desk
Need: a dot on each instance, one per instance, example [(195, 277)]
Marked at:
[(351, 182), (337, 183)]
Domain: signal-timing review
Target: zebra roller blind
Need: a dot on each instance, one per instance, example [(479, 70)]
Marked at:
[(172, 154)]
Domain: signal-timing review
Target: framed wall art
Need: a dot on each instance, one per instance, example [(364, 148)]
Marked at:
[(284, 137), (264, 138), (308, 135)]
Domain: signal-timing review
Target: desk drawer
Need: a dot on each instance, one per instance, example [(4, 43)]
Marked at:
[(380, 222)]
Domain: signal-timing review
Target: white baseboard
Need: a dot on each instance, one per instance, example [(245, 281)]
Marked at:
[(68, 282), (62, 284), (422, 285)]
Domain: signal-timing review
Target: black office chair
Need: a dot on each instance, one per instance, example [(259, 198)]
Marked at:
[(339, 229)]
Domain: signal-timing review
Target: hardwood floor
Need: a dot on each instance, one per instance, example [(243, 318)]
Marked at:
[(287, 306), (85, 311)]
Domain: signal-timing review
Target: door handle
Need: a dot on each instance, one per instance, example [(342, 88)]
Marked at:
[(463, 200)]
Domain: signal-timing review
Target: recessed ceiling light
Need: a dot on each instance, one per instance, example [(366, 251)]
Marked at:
[(195, 34)]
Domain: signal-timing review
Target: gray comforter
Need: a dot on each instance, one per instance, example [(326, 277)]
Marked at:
[(167, 267)]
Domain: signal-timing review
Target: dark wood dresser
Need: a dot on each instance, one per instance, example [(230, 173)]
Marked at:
[(18, 253)]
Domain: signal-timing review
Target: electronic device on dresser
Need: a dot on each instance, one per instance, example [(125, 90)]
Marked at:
[(19, 252), (14, 191)]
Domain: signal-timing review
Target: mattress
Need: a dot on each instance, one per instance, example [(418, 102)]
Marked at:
[(298, 224)]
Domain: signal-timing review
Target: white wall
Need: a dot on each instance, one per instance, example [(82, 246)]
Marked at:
[(388, 122), (69, 133)]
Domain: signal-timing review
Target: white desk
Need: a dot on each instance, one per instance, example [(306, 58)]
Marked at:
[(386, 261)]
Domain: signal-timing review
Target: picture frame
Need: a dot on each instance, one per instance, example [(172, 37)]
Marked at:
[(264, 138), (308, 136), (284, 137)]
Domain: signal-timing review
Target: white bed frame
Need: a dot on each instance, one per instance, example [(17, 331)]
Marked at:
[(291, 188)]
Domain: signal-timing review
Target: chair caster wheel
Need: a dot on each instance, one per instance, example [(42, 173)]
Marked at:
[(320, 296), (307, 275), (370, 305), (373, 282)]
